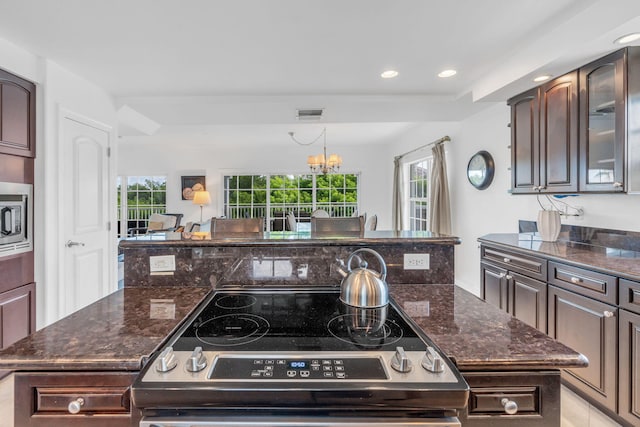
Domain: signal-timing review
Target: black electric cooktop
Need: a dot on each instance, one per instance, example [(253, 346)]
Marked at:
[(294, 321)]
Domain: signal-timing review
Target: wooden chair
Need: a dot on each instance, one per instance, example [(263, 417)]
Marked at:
[(245, 226), (337, 226)]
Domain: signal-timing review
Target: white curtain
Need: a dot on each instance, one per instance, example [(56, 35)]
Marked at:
[(439, 205), (397, 194)]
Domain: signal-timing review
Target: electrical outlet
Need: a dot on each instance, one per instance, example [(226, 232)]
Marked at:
[(163, 263), (416, 261)]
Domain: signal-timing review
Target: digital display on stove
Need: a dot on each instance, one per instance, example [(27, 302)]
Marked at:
[(295, 321), (299, 364)]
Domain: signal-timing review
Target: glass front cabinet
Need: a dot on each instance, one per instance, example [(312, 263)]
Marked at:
[(602, 124)]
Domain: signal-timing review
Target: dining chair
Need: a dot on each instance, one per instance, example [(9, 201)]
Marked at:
[(236, 226), (337, 226)]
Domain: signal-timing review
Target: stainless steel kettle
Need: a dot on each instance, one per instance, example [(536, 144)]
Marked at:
[(363, 287)]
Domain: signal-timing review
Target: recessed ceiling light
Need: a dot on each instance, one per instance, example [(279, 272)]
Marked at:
[(627, 39), (389, 74), (542, 78), (447, 73)]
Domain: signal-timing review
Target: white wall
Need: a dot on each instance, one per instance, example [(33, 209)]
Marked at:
[(156, 156), (494, 210), (56, 88)]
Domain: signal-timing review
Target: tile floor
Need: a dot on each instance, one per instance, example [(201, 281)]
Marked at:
[(579, 413)]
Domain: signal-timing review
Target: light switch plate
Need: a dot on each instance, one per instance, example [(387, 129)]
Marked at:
[(416, 261)]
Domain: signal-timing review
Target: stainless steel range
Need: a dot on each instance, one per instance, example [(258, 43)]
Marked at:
[(291, 358)]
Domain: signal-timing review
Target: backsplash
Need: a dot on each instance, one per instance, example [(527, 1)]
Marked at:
[(603, 237), (273, 266)]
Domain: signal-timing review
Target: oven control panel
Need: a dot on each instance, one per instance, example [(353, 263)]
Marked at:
[(239, 368)]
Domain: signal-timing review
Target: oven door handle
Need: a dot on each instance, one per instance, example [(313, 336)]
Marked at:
[(298, 422)]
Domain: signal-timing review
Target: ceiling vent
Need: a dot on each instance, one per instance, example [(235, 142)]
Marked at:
[(310, 114)]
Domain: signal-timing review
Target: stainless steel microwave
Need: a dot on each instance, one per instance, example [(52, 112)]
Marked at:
[(16, 218)]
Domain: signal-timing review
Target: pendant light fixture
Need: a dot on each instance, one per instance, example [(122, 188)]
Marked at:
[(321, 163)]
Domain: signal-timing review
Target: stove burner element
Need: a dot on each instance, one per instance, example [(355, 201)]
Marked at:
[(345, 328), (236, 301), (232, 329)]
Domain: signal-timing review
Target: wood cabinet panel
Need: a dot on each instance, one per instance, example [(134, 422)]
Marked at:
[(602, 287), (17, 115), (525, 150), (536, 394), (17, 314), (629, 377), (531, 266), (43, 398), (630, 295), (589, 327), (494, 285), (529, 301), (559, 134)]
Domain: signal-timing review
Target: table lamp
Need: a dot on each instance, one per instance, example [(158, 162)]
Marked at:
[(201, 198)]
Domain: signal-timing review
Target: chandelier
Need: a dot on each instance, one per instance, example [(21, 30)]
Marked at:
[(320, 162)]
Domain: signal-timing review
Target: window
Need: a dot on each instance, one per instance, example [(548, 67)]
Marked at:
[(142, 196), (419, 175), (272, 196)]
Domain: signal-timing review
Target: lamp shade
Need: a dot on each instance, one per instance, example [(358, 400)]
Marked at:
[(201, 198)]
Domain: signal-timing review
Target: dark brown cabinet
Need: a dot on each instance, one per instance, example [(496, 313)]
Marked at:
[(52, 399), (603, 124), (544, 138), (589, 327), (17, 314), (17, 115), (629, 350), (515, 283), (535, 397), (525, 147)]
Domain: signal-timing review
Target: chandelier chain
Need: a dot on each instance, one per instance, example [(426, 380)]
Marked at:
[(291, 134)]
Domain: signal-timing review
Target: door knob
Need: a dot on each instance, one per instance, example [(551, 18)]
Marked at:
[(72, 243)]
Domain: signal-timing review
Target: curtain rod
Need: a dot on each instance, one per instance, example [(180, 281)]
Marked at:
[(438, 141)]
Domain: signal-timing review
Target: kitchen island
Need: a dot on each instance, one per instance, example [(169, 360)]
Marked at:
[(97, 351)]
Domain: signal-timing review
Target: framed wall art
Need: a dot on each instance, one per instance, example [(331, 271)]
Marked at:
[(191, 184)]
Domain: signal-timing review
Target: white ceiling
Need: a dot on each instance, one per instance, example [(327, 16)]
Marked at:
[(201, 67)]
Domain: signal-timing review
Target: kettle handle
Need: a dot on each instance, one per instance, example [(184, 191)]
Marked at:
[(383, 266)]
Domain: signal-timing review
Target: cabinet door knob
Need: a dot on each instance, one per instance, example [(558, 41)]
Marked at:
[(617, 185), (576, 280), (510, 407), (508, 277), (75, 405), (608, 313), (502, 275), (505, 259)]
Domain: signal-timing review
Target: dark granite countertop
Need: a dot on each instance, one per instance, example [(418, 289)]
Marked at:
[(620, 262), (289, 238), (115, 333), (477, 335), (119, 331)]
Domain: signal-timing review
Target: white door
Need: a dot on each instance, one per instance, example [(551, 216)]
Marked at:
[(86, 213)]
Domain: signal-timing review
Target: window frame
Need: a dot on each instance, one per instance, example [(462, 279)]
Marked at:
[(122, 202), (338, 208), (410, 208)]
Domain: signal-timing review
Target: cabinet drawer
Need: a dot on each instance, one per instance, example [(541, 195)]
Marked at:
[(93, 399), (630, 295), (584, 282), (520, 263), (103, 398), (489, 400), (536, 394)]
